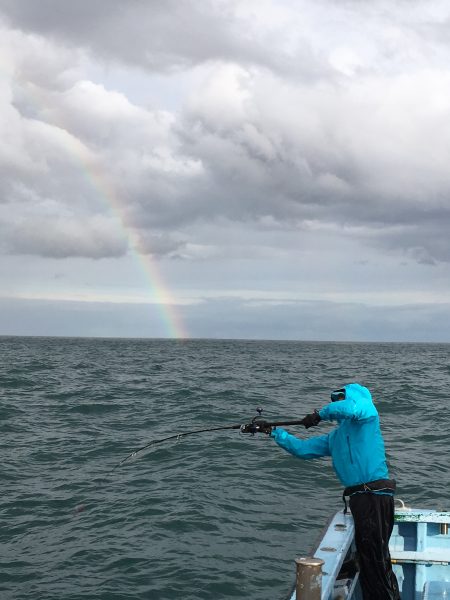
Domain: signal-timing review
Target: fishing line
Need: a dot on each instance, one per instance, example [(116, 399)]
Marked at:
[(176, 436)]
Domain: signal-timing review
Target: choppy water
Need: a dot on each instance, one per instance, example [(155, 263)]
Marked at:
[(220, 515)]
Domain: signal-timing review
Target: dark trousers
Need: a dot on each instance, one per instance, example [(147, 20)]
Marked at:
[(373, 515)]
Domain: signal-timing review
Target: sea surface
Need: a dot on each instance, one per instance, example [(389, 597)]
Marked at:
[(211, 516)]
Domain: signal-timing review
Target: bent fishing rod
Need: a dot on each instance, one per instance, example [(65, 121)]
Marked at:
[(257, 425)]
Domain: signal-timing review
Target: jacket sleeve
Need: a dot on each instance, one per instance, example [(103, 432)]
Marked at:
[(311, 448), (348, 409)]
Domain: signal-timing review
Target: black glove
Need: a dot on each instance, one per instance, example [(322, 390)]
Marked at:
[(312, 420)]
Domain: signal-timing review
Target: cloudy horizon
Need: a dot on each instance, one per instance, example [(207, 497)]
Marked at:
[(259, 169)]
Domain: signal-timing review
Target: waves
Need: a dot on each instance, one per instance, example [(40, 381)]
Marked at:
[(219, 515)]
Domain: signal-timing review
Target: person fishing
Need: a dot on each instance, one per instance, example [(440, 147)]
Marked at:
[(357, 449)]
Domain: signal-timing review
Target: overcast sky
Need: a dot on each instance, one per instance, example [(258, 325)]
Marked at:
[(225, 168)]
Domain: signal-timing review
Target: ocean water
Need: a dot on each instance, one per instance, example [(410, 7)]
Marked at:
[(218, 515)]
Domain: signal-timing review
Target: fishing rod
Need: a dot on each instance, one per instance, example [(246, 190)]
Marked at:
[(257, 425)]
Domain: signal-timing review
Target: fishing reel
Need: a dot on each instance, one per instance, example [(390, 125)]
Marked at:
[(257, 425)]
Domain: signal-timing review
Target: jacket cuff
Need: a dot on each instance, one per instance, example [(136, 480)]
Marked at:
[(278, 434), (323, 413)]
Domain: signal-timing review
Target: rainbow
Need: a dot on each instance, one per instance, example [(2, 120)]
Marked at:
[(158, 289), (100, 183)]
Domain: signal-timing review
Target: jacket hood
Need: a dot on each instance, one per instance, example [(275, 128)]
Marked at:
[(357, 393), (357, 405)]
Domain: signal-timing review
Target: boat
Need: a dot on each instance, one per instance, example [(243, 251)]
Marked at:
[(420, 553)]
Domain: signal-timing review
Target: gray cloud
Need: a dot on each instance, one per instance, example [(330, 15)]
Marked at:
[(360, 148), (301, 38), (298, 165), (161, 244), (63, 238), (164, 36)]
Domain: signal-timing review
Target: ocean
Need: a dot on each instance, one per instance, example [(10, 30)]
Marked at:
[(216, 515)]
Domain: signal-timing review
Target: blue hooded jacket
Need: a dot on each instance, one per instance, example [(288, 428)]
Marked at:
[(355, 445)]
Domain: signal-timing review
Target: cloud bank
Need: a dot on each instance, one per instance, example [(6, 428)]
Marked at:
[(215, 131), (361, 147)]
